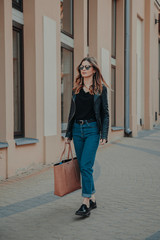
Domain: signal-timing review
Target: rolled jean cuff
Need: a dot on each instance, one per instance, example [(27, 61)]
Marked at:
[(88, 195), (93, 192)]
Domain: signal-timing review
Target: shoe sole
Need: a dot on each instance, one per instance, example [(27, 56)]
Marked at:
[(93, 208), (83, 215)]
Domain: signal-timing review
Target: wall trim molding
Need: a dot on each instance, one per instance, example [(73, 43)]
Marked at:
[(67, 40)]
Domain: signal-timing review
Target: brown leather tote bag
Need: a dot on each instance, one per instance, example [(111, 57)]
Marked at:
[(66, 174)]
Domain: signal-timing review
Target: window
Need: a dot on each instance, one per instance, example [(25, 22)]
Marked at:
[(66, 16), (114, 28), (18, 80), (67, 48), (66, 83), (113, 96), (18, 4)]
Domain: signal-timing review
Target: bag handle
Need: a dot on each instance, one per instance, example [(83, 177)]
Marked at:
[(69, 151)]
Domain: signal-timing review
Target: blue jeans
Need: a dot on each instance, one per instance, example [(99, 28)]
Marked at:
[(86, 140)]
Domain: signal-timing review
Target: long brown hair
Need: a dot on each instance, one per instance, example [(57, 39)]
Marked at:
[(98, 79)]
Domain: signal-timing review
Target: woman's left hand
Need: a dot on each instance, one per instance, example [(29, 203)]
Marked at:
[(103, 141)]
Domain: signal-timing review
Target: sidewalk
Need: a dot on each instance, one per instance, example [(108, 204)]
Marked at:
[(127, 180)]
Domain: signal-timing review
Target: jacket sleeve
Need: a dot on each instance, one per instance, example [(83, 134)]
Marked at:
[(70, 122), (104, 114)]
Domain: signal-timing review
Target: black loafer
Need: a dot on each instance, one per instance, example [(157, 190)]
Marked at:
[(83, 211), (92, 204)]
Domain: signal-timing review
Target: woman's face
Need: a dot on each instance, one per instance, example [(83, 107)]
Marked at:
[(86, 69)]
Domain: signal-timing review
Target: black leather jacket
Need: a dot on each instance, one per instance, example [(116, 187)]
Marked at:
[(101, 114)]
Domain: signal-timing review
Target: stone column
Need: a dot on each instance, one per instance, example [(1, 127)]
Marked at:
[(80, 31), (6, 71), (147, 70)]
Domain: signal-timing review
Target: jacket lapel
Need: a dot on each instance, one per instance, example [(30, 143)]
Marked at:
[(95, 97)]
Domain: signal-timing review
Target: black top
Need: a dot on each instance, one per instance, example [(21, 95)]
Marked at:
[(84, 106), (101, 114)]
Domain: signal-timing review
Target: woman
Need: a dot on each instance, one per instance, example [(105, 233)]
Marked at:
[(88, 123)]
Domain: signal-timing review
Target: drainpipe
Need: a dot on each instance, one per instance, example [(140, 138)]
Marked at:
[(127, 129)]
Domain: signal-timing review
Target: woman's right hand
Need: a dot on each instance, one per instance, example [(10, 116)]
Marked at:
[(67, 140)]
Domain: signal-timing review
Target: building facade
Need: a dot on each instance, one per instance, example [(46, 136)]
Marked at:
[(42, 43)]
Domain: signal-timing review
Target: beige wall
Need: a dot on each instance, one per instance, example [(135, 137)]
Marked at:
[(137, 11), (147, 74), (154, 60), (3, 164), (6, 81), (99, 37), (30, 68), (151, 64), (6, 93), (146, 12), (120, 64), (49, 144), (80, 32), (19, 158), (2, 71), (99, 14)]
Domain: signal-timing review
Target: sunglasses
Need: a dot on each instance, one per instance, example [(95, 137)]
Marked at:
[(87, 67)]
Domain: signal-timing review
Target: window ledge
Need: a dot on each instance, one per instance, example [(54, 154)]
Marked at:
[(3, 145), (25, 141), (117, 128)]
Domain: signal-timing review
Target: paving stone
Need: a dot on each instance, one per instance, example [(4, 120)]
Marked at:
[(127, 181)]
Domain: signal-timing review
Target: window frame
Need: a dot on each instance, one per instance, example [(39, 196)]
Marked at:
[(65, 46), (18, 6), (65, 32), (114, 55), (19, 28)]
